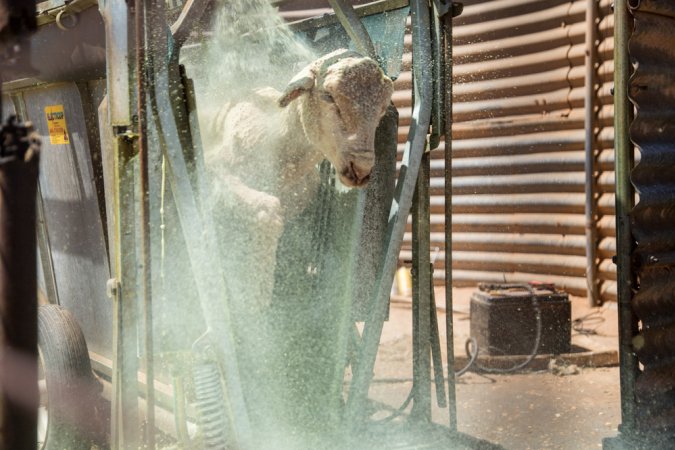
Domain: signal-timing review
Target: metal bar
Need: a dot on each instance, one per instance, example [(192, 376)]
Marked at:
[(437, 120), (329, 19), (46, 259), (125, 429), (354, 27), (436, 356), (421, 410), (115, 14), (624, 204), (447, 117), (144, 213), (412, 157), (188, 19), (590, 144), (19, 396), (179, 410)]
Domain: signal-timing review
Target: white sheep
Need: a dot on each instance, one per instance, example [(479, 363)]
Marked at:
[(262, 154)]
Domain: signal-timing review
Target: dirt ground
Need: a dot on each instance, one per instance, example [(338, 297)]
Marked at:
[(572, 405)]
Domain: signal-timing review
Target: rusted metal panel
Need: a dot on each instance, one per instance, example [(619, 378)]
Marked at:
[(518, 137), (519, 133), (652, 91)]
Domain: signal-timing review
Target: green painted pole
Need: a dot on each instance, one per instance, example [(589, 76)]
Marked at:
[(623, 114)]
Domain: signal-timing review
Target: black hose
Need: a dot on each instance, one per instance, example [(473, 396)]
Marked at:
[(472, 356)]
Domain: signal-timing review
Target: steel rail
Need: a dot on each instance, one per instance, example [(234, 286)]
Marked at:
[(144, 216), (628, 367), (354, 27), (447, 118), (398, 215)]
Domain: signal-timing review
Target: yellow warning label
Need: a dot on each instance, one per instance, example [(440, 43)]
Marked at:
[(56, 122)]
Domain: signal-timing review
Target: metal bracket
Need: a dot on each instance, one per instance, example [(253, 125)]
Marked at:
[(55, 11), (354, 27), (444, 7)]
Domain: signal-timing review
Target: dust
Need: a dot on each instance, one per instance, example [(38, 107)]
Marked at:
[(291, 352), (249, 46)]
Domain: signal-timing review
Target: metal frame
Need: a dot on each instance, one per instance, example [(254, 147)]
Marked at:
[(412, 157), (185, 181)]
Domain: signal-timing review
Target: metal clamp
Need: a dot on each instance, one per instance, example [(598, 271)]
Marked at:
[(59, 20), (112, 288), (444, 7)]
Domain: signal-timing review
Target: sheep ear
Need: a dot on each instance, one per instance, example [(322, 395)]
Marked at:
[(301, 83)]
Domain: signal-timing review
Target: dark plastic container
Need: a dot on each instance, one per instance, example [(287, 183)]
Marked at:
[(504, 319)]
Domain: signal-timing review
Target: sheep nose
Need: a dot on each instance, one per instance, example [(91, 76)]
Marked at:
[(356, 174)]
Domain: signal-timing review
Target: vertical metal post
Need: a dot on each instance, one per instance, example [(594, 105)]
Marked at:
[(623, 114), (422, 283), (590, 144), (46, 259), (354, 27), (412, 156), (198, 228), (115, 14), (19, 396), (146, 277), (122, 288), (449, 331), (125, 429)]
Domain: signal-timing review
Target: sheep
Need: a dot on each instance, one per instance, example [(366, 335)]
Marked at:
[(262, 155)]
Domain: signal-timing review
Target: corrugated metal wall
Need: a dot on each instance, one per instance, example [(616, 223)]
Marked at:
[(652, 90), (518, 143)]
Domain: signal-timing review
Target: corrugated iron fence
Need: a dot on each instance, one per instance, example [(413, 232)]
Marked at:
[(652, 90), (518, 143), (519, 135)]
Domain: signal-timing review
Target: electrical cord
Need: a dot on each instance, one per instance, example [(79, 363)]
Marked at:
[(472, 356), (595, 317), (471, 348)]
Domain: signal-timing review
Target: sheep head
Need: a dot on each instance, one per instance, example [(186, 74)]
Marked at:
[(343, 97)]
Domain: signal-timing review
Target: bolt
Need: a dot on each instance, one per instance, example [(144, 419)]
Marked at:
[(112, 288)]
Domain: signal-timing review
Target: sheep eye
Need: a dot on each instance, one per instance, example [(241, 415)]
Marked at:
[(326, 97)]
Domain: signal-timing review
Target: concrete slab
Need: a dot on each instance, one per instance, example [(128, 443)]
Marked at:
[(550, 405)]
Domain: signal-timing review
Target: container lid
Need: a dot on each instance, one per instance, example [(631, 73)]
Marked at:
[(506, 291)]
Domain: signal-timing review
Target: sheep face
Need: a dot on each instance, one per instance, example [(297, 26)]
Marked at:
[(344, 96)]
